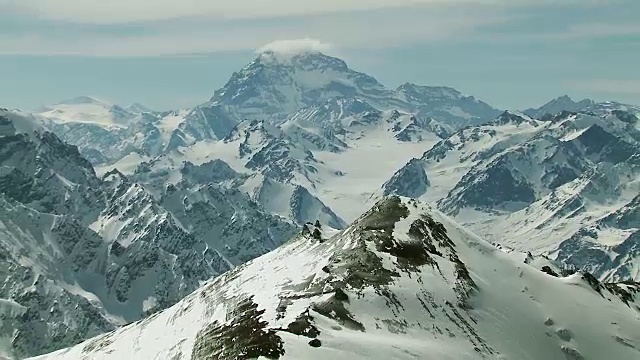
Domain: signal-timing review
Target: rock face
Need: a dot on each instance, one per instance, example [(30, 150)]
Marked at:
[(81, 255), (401, 273)]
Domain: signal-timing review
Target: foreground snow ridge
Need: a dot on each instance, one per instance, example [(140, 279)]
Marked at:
[(402, 282)]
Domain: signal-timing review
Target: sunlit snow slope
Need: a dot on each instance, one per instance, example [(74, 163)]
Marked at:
[(402, 282)]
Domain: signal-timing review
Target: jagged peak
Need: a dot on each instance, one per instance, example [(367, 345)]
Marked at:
[(560, 103), (568, 99), (563, 98)]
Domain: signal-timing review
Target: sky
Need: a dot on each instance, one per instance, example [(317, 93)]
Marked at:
[(169, 54)]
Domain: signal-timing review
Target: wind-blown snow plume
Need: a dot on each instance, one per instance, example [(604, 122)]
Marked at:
[(288, 48)]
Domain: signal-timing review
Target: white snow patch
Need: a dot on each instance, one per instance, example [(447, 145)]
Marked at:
[(149, 303)]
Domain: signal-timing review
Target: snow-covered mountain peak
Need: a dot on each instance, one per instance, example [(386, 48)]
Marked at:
[(80, 100), (87, 110), (271, 88), (13, 123), (402, 282)]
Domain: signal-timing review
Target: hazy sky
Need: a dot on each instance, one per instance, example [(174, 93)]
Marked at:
[(167, 54)]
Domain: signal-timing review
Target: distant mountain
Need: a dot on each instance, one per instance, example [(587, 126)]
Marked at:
[(86, 109), (272, 88), (447, 105), (563, 187), (558, 105), (565, 103), (402, 282)]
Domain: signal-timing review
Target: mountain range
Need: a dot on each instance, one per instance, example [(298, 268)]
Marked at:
[(113, 213)]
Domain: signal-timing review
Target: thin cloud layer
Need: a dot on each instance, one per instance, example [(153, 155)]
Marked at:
[(125, 11), (394, 27), (167, 27)]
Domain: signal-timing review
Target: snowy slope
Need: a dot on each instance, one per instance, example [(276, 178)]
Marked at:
[(229, 222), (85, 109), (347, 148), (451, 158), (290, 201), (543, 186), (267, 168), (402, 282), (316, 165)]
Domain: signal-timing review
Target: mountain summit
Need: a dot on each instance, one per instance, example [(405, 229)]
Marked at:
[(273, 85), (559, 104)]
